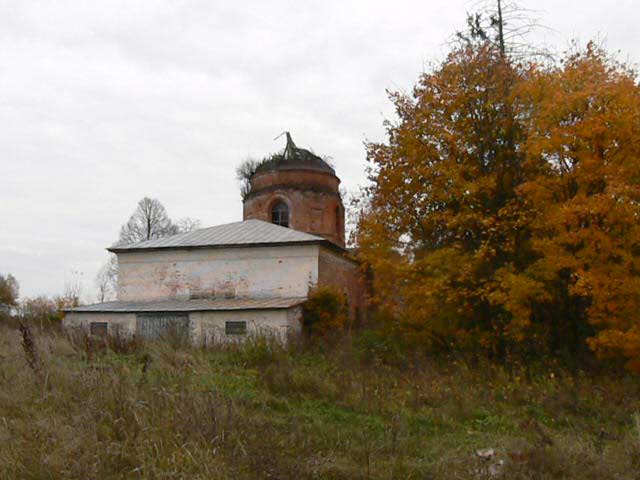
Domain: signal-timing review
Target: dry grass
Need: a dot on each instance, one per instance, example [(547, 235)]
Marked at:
[(126, 410)]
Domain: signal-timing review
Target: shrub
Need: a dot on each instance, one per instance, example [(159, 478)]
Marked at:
[(46, 312), (380, 345), (325, 313)]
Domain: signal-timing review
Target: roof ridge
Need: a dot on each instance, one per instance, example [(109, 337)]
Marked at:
[(246, 232)]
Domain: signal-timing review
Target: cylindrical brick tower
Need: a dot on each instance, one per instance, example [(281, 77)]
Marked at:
[(299, 190)]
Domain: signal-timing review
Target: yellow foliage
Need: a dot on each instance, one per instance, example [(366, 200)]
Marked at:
[(505, 206)]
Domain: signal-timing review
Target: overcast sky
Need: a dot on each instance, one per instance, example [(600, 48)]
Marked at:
[(104, 102)]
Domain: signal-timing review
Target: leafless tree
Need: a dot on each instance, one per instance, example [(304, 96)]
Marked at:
[(73, 288), (106, 280), (149, 221), (506, 25), (187, 224)]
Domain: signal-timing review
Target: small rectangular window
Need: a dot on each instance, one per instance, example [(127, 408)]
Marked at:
[(235, 328), (99, 329)]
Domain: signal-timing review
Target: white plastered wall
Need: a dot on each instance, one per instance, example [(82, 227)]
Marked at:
[(269, 271), (210, 326), (123, 323), (204, 326)]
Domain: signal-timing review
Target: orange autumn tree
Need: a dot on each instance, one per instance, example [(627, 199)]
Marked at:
[(503, 209), (584, 130), (444, 218)]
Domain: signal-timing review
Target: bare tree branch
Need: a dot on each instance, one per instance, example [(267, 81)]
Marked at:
[(150, 221), (505, 24), (106, 280)]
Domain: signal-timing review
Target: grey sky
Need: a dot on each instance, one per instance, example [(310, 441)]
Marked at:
[(104, 102)]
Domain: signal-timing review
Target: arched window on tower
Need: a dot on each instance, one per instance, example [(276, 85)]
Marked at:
[(280, 214)]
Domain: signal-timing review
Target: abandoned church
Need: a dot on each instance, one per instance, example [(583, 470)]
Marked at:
[(242, 278)]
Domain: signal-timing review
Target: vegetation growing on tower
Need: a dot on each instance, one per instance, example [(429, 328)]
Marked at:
[(292, 156)]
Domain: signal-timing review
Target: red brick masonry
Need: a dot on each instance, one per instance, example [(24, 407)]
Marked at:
[(313, 199)]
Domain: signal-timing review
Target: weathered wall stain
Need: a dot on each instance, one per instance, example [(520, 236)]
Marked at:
[(279, 271)]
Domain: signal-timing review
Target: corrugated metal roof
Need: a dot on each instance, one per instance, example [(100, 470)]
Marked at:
[(194, 305), (248, 232)]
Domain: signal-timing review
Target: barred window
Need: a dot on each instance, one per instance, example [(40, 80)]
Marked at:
[(235, 328)]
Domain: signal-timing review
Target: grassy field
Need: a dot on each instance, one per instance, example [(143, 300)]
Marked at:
[(74, 409)]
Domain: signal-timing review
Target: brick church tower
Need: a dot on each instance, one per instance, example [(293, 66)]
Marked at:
[(297, 189)]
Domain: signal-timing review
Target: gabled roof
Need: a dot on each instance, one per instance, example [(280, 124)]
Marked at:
[(192, 305), (237, 234)]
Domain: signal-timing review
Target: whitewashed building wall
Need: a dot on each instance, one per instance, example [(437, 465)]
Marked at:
[(275, 271), (204, 327), (210, 326), (123, 323)]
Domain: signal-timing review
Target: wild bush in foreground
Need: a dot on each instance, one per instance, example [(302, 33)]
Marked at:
[(325, 313)]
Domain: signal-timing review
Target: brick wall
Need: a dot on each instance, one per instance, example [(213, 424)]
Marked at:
[(337, 270), (313, 199)]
